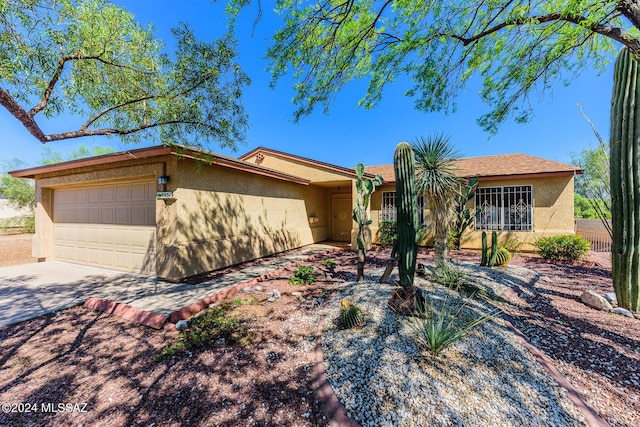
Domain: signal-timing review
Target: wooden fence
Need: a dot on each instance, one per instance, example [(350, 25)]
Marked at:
[(600, 241)]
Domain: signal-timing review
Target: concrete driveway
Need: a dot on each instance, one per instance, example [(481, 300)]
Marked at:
[(31, 290)]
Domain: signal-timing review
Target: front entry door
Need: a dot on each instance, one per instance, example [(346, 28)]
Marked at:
[(342, 222)]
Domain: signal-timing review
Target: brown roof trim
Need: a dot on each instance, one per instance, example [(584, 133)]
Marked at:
[(528, 175), (311, 162), (140, 153), (241, 165), (157, 151), (518, 176)]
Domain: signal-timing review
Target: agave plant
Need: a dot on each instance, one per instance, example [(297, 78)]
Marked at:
[(436, 178)]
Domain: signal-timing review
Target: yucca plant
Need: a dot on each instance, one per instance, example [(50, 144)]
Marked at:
[(437, 180), (440, 326)]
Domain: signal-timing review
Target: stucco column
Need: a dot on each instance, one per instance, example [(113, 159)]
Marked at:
[(42, 246)]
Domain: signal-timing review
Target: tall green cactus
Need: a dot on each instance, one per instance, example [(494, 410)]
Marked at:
[(407, 217), (625, 180), (494, 249), (364, 188), (484, 260)]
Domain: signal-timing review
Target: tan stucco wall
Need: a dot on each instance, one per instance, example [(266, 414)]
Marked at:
[(297, 168), (223, 217), (552, 211), (219, 217)]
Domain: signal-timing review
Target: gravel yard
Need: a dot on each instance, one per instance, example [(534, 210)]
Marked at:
[(85, 357), (15, 249)]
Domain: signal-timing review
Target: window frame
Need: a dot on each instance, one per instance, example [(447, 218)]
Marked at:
[(389, 213), (503, 209)]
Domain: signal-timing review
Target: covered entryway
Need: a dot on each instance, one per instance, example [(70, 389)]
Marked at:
[(109, 226)]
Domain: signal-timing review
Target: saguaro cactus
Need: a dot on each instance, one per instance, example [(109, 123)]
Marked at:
[(494, 249), (625, 180), (407, 216), (364, 188), (485, 258)]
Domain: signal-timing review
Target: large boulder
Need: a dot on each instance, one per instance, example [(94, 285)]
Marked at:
[(594, 300)]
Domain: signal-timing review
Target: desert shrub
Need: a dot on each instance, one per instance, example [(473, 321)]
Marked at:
[(329, 263), (442, 325), (19, 224), (204, 330), (303, 276), (244, 301), (512, 244), (448, 275), (567, 247), (388, 234), (452, 239)]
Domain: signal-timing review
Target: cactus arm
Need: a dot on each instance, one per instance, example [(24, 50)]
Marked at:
[(364, 189), (483, 262), (494, 249)]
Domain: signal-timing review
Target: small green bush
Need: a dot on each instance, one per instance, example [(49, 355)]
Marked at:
[(204, 330), (440, 326), (567, 247), (303, 276), (388, 234), (243, 301), (512, 244), (329, 263)]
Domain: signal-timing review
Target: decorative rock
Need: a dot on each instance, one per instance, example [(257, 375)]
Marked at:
[(611, 297), (296, 294), (259, 288), (275, 293), (182, 324), (407, 301), (271, 299), (593, 300), (622, 311), (220, 341)]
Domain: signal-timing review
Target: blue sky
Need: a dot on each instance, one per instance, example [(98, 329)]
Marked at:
[(350, 134)]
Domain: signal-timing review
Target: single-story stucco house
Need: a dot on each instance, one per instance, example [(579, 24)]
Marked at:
[(175, 212)]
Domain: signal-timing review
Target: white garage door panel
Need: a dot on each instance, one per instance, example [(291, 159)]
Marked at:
[(107, 226)]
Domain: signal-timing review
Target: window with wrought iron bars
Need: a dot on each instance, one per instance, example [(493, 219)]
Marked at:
[(504, 208), (388, 212)]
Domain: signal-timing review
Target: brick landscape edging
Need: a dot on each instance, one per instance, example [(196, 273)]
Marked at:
[(136, 315), (196, 307)]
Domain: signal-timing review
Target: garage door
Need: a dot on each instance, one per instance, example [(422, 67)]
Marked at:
[(109, 226)]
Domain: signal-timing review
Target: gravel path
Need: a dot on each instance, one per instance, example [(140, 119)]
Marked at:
[(488, 378)]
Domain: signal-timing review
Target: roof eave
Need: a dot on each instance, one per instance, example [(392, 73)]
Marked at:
[(317, 163)]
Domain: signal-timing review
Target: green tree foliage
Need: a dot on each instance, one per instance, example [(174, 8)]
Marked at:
[(89, 58), (515, 48), (50, 157), (583, 207), (19, 192)]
